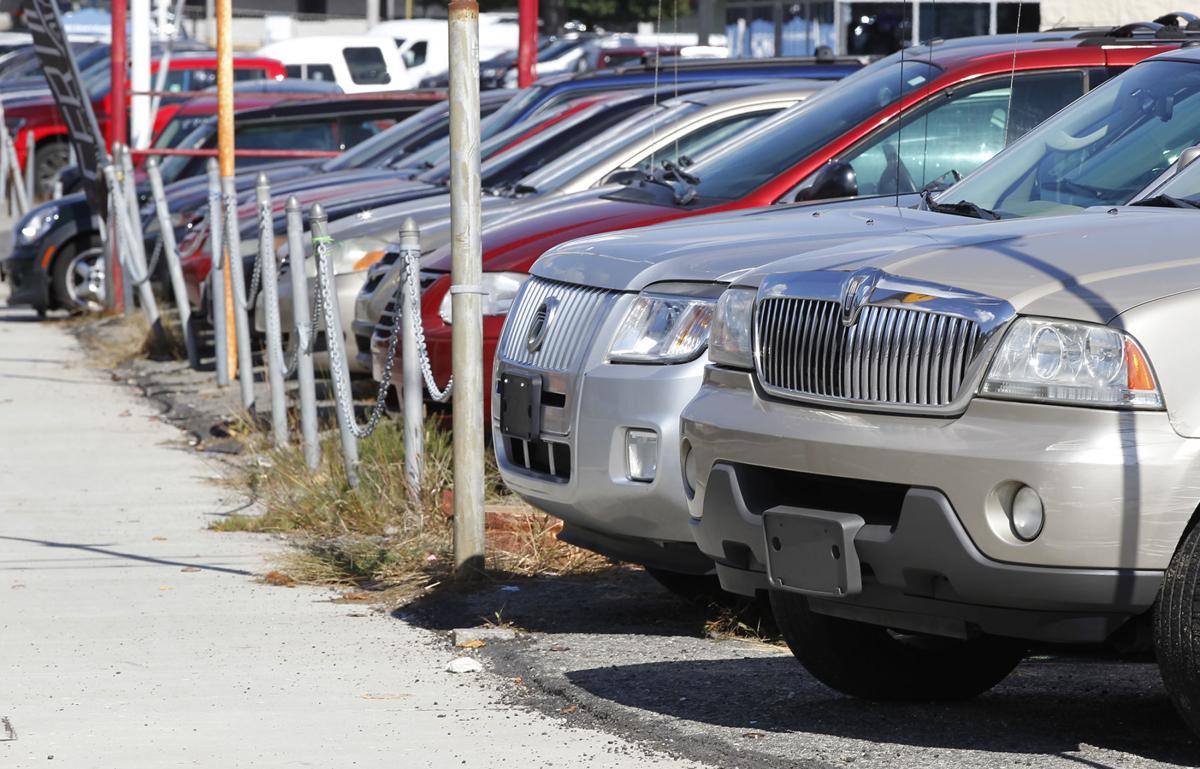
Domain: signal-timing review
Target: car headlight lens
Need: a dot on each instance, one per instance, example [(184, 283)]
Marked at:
[(37, 223), (730, 343), (1076, 363), (500, 292), (662, 329), (356, 254)]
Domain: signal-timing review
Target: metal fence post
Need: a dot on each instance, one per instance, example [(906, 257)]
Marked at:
[(30, 152), (241, 321), (334, 341), (131, 199), (121, 242), (305, 334), (411, 388), (18, 186), (131, 255), (270, 278), (465, 290), (166, 234), (216, 274)]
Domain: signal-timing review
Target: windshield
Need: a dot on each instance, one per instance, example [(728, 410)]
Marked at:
[(173, 165), (97, 79), (1101, 150), (778, 144), (382, 146), (178, 129), (632, 131)]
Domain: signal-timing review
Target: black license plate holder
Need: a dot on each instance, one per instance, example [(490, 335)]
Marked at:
[(520, 405), (812, 551)]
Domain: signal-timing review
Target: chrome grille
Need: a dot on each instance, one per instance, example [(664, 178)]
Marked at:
[(571, 316), (383, 327), (891, 355)]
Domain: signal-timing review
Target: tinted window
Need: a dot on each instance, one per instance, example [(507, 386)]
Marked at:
[(793, 135), (241, 74), (367, 66), (294, 70), (352, 131), (959, 130), (320, 72), (286, 136), (415, 56)]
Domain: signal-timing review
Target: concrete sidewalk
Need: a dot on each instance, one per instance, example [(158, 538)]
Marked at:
[(132, 637)]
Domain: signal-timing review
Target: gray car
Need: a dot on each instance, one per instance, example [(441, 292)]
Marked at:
[(618, 415)]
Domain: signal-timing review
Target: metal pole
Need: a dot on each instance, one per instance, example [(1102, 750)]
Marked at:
[(118, 126), (210, 21), (216, 275), (30, 169), (466, 273), (411, 392), (5, 140), (18, 184), (117, 210), (166, 233), (527, 19), (270, 278), (372, 13), (131, 200), (304, 334), (141, 127), (226, 161), (133, 254), (241, 302), (334, 340)]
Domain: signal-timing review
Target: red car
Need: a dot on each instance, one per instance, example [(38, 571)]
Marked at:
[(955, 102), (39, 115)]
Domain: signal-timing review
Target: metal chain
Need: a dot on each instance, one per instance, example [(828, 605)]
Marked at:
[(409, 275), (158, 249), (197, 240), (342, 398), (256, 277)]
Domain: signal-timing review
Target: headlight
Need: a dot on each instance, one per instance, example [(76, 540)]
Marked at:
[(356, 254), (501, 288), (1076, 363), (729, 344), (662, 329), (38, 223)]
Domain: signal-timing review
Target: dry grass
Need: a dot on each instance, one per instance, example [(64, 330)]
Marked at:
[(114, 340), (379, 535)]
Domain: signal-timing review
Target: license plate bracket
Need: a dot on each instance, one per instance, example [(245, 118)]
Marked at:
[(812, 551), (520, 405)]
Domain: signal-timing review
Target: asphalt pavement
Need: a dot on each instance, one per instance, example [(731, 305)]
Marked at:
[(130, 636)]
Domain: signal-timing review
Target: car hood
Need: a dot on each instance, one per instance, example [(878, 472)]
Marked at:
[(719, 247), (1090, 266)]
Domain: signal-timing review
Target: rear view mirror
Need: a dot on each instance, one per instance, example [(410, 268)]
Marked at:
[(836, 179), (1186, 158)]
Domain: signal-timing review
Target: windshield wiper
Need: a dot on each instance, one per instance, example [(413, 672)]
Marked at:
[(961, 208), (1167, 201)]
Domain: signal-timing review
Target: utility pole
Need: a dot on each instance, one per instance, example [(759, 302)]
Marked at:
[(140, 74), (117, 127), (527, 11), (465, 290), (372, 13), (225, 161)]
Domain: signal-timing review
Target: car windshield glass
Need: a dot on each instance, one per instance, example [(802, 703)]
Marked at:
[(631, 132), (1101, 150), (173, 165), (436, 156), (381, 146), (97, 79), (791, 136), (178, 129), (1184, 185)]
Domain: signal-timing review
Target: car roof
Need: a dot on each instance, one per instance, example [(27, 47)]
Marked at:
[(798, 87), (343, 105)]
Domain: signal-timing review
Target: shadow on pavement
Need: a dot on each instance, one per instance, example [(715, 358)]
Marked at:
[(1047, 706), (128, 556)]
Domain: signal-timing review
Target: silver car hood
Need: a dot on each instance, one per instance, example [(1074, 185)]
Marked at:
[(720, 247), (1089, 266)]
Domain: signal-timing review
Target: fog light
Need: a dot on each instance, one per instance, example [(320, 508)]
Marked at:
[(641, 455), (1028, 515), (689, 470)]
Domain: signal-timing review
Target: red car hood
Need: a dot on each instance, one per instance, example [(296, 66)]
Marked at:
[(516, 243)]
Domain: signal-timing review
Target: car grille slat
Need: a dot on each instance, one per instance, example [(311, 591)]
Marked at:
[(890, 355), (574, 311)]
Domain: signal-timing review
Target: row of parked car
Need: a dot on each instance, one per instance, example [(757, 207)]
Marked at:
[(902, 347)]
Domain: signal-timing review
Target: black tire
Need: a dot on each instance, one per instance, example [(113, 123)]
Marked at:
[(874, 663), (1177, 630), (693, 588), (68, 281), (48, 158)]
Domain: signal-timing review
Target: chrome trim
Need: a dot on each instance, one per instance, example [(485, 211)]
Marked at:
[(909, 347), (573, 314)]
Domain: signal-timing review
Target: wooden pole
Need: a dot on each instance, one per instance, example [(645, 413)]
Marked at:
[(224, 20)]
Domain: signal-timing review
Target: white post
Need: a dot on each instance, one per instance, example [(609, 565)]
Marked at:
[(140, 127), (411, 387), (466, 274), (270, 284), (216, 275), (31, 190), (305, 331), (241, 302), (166, 234)]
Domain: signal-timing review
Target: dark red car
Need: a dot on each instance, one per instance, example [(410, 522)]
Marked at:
[(956, 107), (39, 115)]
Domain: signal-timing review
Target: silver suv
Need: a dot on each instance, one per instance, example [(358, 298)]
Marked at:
[(626, 314)]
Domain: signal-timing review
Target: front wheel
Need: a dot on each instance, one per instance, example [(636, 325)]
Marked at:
[(875, 663), (78, 278), (1177, 629)]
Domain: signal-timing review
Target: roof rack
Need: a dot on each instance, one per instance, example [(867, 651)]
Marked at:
[(1176, 26), (775, 61)]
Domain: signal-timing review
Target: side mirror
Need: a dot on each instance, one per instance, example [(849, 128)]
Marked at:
[(836, 179), (1186, 158), (623, 176)]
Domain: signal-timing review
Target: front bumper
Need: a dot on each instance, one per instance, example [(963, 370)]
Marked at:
[(1116, 486), (29, 284)]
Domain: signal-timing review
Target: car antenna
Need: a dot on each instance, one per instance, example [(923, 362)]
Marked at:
[(654, 107), (675, 58), (1012, 75), (925, 142), (900, 111)]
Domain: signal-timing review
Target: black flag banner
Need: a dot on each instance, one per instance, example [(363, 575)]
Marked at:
[(62, 75)]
